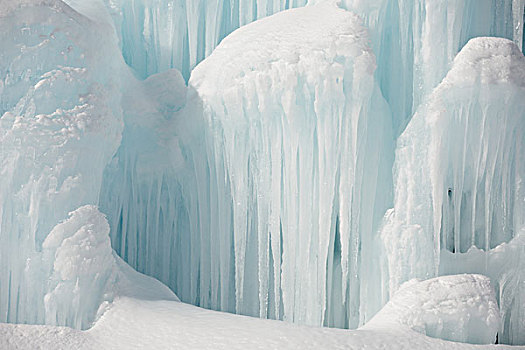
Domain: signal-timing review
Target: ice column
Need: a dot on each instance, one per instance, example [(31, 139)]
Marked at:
[(460, 165), (293, 173)]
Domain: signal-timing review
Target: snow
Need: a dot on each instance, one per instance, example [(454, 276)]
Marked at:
[(504, 265), (460, 308), (487, 61), (157, 35), (135, 323)]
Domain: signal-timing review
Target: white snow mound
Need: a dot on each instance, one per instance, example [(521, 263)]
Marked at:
[(458, 308)]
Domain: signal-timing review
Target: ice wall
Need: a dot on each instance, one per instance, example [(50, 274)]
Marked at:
[(416, 41), (60, 125), (157, 35), (293, 173), (459, 165), (169, 206)]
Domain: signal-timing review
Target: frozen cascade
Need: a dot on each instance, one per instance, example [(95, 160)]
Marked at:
[(157, 35), (421, 38), (295, 170), (460, 165)]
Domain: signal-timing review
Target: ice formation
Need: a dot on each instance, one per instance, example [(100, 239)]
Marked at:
[(60, 126), (261, 187), (80, 261), (460, 166)]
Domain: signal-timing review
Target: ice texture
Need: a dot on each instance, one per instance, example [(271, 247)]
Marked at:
[(459, 167), (293, 177), (141, 191), (261, 188)]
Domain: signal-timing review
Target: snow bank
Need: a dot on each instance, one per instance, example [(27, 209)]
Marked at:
[(453, 304), (458, 308)]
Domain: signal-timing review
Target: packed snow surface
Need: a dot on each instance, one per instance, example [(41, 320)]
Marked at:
[(135, 323)]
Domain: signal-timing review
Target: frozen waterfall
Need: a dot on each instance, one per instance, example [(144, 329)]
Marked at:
[(420, 38), (287, 159)]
